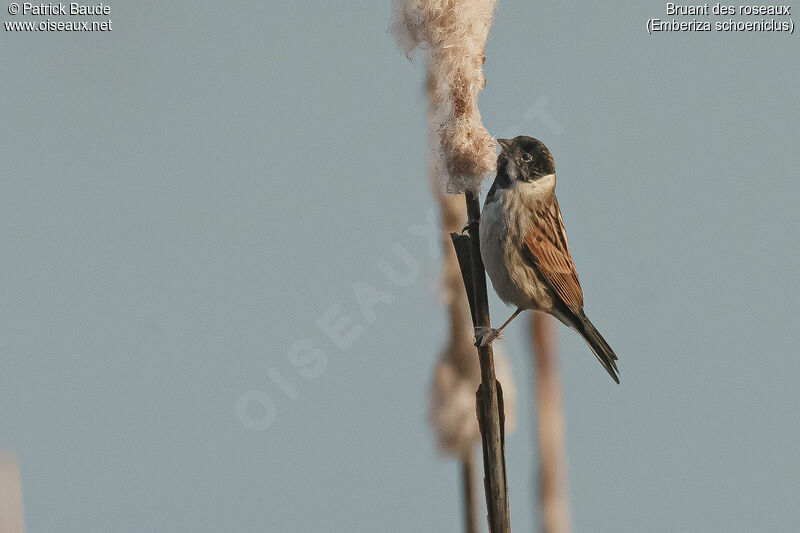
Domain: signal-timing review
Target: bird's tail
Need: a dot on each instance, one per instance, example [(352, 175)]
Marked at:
[(599, 346)]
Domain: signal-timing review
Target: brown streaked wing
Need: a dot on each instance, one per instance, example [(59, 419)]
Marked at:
[(547, 241)]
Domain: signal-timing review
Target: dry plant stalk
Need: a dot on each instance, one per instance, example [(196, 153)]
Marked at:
[(489, 398), (455, 33), (470, 504), (11, 515), (553, 494), (457, 374)]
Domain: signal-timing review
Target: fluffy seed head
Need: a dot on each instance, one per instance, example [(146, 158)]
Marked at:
[(454, 34)]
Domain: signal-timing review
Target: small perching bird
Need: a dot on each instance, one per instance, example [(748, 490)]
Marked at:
[(524, 245)]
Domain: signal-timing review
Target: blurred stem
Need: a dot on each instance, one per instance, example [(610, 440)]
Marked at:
[(553, 494), (11, 512), (452, 215), (470, 503)]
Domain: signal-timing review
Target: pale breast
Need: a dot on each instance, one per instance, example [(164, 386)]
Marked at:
[(504, 222)]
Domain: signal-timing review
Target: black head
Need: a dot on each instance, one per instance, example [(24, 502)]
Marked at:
[(525, 158)]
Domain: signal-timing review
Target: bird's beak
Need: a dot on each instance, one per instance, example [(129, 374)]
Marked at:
[(504, 143)]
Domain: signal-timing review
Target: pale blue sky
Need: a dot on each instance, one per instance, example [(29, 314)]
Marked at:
[(183, 198)]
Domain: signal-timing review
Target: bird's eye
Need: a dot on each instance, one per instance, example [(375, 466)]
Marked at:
[(527, 157)]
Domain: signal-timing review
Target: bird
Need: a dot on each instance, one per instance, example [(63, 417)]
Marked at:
[(524, 246)]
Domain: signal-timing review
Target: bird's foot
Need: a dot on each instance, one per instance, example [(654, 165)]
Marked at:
[(469, 223), (484, 336)]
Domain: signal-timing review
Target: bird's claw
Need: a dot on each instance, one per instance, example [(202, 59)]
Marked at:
[(484, 336), (469, 223)]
